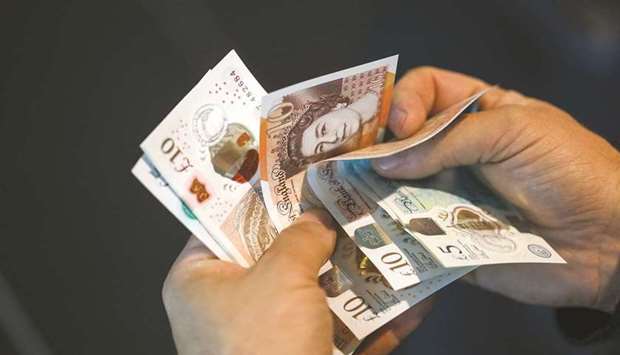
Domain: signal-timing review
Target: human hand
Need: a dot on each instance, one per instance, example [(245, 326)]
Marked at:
[(562, 177), (275, 307)]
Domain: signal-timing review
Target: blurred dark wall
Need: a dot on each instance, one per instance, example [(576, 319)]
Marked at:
[(85, 248)]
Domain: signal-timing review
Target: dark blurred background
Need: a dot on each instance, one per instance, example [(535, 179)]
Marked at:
[(84, 248)]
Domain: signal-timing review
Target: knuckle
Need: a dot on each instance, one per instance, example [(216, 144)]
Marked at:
[(326, 238), (168, 290), (307, 228), (417, 72), (179, 270), (184, 272), (282, 262), (424, 69), (167, 295), (515, 114), (530, 123), (518, 116), (514, 96), (316, 232), (276, 253)]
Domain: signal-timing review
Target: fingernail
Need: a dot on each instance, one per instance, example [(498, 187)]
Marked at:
[(398, 117), (387, 163)]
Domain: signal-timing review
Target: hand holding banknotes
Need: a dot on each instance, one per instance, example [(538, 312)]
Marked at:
[(276, 307), (564, 179), (239, 166)]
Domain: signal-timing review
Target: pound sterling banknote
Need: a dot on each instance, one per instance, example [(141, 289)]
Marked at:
[(235, 166), (431, 127), (441, 214), (206, 149), (358, 294), (315, 120), (398, 256)]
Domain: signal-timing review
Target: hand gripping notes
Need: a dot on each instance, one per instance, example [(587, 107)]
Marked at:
[(236, 165)]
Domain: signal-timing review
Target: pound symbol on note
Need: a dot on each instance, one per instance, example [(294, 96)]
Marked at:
[(200, 190)]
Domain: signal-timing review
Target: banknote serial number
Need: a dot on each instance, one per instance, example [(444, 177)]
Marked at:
[(242, 86)]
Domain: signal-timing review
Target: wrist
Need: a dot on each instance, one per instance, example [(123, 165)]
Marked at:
[(609, 253), (614, 223), (609, 279)]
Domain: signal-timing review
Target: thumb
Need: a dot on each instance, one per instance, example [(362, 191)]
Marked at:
[(478, 138), (305, 245)]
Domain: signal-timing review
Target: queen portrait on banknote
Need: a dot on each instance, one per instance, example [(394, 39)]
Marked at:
[(330, 124), (316, 120)]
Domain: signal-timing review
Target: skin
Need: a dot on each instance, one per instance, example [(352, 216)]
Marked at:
[(275, 307), (564, 178), (333, 129)]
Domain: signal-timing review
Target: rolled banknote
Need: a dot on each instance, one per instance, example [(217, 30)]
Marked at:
[(431, 127), (315, 120)]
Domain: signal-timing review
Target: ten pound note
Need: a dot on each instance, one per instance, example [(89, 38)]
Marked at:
[(206, 150), (400, 259), (358, 294)]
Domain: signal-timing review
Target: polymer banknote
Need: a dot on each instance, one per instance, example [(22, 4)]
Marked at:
[(358, 294), (431, 127), (236, 166), (315, 120), (457, 220), (395, 253), (207, 150)]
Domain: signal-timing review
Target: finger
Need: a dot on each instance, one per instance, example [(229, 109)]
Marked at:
[(194, 250), (529, 283), (514, 281), (389, 337), (425, 90), (184, 268), (478, 138), (197, 261), (304, 246)]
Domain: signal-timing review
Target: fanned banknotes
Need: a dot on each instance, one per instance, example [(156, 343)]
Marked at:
[(357, 293), (456, 230), (397, 255), (236, 165)]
